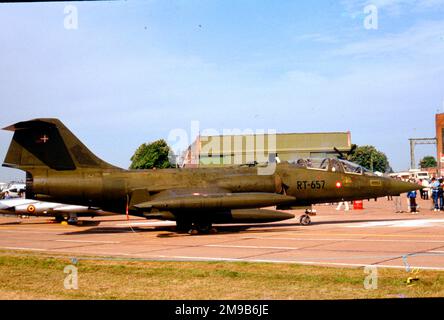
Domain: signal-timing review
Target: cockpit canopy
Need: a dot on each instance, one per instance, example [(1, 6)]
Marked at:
[(331, 164)]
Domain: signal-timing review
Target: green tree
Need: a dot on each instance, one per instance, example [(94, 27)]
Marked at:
[(428, 162), (152, 155), (369, 157)]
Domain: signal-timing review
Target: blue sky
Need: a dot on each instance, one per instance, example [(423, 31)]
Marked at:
[(134, 70)]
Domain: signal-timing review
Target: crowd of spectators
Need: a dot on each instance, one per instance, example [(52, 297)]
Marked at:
[(430, 189)]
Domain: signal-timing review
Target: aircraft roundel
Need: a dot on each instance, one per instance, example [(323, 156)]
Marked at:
[(30, 209)]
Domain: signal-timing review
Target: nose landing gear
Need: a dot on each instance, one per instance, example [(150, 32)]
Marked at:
[(305, 219)]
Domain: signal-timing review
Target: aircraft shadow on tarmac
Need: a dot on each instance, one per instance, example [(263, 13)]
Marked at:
[(83, 224), (10, 223), (222, 229)]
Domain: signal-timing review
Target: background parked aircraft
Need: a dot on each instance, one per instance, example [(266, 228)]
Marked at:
[(29, 207)]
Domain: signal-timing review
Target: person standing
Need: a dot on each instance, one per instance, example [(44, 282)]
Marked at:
[(421, 191), (440, 194), (425, 189), (435, 186), (343, 203), (397, 201), (398, 204), (412, 200)]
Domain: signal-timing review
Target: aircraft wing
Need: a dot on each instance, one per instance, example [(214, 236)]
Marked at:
[(78, 210), (211, 199), (33, 207), (7, 206)]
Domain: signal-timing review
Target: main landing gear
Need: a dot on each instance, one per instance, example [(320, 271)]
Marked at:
[(195, 228), (305, 219)]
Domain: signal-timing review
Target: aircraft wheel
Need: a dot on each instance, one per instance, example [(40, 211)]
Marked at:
[(183, 226), (193, 232), (202, 228), (305, 220), (59, 218), (72, 219)]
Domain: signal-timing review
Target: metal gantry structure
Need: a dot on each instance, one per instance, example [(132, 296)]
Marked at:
[(413, 143)]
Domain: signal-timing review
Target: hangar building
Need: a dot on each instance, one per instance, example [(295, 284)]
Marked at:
[(242, 149)]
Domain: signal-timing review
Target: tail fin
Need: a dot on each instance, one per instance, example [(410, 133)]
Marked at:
[(47, 143)]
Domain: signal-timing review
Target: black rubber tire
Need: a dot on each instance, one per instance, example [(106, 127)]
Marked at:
[(59, 218), (305, 220), (183, 226)]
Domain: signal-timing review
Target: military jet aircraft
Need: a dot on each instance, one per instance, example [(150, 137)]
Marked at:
[(60, 168), (13, 190), (28, 207)]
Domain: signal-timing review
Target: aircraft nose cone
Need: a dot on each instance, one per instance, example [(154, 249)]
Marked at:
[(398, 187)]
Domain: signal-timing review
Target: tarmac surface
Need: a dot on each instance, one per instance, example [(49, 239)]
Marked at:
[(372, 236)]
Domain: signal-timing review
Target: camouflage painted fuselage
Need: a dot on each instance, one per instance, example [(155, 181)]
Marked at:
[(61, 169)]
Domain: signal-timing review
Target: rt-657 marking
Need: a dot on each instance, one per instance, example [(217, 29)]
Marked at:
[(307, 184)]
